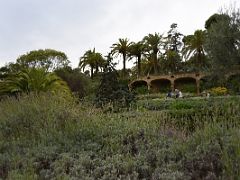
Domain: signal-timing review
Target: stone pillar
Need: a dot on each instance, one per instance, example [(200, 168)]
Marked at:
[(149, 86), (172, 85), (198, 86)]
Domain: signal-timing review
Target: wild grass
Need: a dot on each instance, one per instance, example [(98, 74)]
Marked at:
[(49, 137)]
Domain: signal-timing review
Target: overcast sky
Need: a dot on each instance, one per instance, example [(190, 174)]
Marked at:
[(74, 26)]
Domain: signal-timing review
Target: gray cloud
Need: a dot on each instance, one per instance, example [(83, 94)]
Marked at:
[(74, 26)]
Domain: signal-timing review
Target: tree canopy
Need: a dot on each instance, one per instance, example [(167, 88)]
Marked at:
[(44, 58), (223, 41), (92, 59), (122, 47)]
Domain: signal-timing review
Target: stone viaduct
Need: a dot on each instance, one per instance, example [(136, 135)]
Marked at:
[(157, 82)]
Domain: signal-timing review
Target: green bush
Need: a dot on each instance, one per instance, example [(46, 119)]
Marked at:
[(141, 90), (31, 116), (233, 84), (218, 91), (113, 92), (79, 83), (190, 88)]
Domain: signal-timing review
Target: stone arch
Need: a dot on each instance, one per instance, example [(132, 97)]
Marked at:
[(233, 83), (186, 84), (161, 85), (232, 75), (139, 84), (207, 82)]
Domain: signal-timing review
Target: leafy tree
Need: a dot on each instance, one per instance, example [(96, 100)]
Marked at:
[(77, 81), (32, 80), (11, 68), (4, 71), (148, 64), (194, 48), (48, 58), (172, 46), (174, 39), (216, 18), (223, 42), (137, 50), (92, 59), (112, 92), (172, 61), (153, 43), (122, 47), (109, 65)]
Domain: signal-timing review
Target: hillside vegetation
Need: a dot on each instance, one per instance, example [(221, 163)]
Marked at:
[(49, 137)]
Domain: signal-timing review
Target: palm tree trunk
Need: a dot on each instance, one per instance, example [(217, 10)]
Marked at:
[(91, 72), (155, 64), (97, 69), (124, 65), (199, 61), (139, 64)]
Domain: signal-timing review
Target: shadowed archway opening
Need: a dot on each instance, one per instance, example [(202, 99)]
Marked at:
[(210, 81), (233, 84), (160, 85), (186, 84), (140, 87)]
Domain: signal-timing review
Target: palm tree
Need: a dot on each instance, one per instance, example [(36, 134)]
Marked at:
[(194, 47), (32, 80), (85, 60), (92, 59), (147, 66), (153, 42), (137, 50), (172, 61), (122, 47), (99, 62)]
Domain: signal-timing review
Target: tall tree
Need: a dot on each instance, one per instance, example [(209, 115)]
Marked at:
[(174, 39), (122, 47), (137, 50), (147, 66), (194, 47), (223, 42), (112, 91), (78, 82), (153, 43), (44, 58), (215, 18), (172, 46), (172, 62), (92, 59)]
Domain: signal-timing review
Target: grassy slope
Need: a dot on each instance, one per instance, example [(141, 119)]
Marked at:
[(48, 137)]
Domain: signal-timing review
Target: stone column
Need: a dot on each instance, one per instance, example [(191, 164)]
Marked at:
[(172, 85), (149, 85), (198, 86)]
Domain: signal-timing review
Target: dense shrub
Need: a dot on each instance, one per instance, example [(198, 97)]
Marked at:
[(190, 88), (141, 90), (219, 91), (79, 83), (113, 92), (233, 84), (33, 115), (209, 82)]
